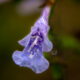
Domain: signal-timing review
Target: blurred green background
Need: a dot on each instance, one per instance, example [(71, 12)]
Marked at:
[(65, 34)]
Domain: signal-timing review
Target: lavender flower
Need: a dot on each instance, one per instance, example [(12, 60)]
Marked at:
[(35, 44)]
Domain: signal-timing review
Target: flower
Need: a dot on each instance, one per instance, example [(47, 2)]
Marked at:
[(35, 43), (27, 7)]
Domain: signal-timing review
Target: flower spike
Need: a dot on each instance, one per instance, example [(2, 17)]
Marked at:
[(35, 43)]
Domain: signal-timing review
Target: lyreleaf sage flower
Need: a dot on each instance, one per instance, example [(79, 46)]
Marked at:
[(35, 43)]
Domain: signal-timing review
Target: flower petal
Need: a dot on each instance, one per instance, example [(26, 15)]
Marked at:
[(42, 25), (24, 41), (47, 45), (39, 65), (21, 59)]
